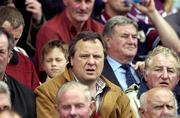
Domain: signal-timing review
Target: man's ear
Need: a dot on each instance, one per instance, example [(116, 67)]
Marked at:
[(92, 107), (107, 39), (10, 55), (56, 107), (141, 112), (145, 75)]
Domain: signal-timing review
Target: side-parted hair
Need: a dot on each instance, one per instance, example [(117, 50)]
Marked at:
[(85, 36), (73, 85), (9, 38), (117, 21), (12, 15), (166, 52)]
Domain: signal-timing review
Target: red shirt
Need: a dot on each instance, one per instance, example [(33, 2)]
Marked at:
[(23, 71), (59, 27)]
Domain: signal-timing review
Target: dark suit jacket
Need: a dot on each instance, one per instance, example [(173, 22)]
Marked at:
[(22, 98), (109, 74)]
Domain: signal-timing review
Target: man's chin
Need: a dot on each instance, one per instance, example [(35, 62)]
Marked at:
[(164, 85)]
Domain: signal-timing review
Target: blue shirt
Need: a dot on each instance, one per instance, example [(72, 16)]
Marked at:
[(120, 73)]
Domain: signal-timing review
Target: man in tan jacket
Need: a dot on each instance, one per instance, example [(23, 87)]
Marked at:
[(86, 61)]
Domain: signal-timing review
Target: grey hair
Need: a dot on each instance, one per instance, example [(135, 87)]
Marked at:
[(4, 89), (117, 20), (165, 51), (71, 86)]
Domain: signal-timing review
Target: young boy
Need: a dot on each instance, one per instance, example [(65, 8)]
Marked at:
[(54, 58)]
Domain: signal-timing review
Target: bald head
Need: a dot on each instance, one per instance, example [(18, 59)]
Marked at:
[(158, 102)]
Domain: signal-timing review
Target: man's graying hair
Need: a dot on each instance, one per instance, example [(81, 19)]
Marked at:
[(166, 52), (117, 21), (4, 89)]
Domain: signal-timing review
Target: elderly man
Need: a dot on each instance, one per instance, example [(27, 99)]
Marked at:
[(64, 26), (20, 67), (86, 54), (22, 98), (160, 31), (121, 34), (74, 100), (158, 102), (162, 69)]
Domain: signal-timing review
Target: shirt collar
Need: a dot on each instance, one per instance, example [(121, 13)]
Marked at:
[(114, 64), (104, 16)]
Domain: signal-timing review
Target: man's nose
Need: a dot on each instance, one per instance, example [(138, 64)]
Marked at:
[(165, 74), (73, 110), (83, 5), (91, 60)]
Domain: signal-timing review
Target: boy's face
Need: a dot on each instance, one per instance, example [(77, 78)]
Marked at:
[(54, 62)]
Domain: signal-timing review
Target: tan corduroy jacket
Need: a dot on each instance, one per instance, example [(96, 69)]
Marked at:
[(114, 103)]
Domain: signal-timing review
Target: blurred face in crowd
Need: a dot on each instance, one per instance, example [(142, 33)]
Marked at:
[(5, 102), (54, 62), (79, 10), (116, 7), (5, 54), (160, 104), (162, 72), (123, 43), (74, 104), (9, 114), (88, 60), (17, 32)]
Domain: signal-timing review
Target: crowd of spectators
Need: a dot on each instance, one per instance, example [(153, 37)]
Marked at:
[(89, 58)]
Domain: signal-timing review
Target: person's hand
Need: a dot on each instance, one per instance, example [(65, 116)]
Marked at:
[(139, 66), (148, 7), (35, 8)]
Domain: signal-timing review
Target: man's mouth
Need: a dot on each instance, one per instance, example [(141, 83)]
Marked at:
[(164, 84)]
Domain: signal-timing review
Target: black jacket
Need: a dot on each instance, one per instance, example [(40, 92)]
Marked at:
[(22, 98)]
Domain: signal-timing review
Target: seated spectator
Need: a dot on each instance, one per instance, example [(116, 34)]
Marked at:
[(158, 103), (5, 96), (160, 32), (54, 58), (9, 114), (86, 60), (64, 26), (74, 100), (120, 34), (22, 98), (20, 66), (162, 69)]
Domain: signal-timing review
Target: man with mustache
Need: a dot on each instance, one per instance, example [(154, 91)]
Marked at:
[(74, 19)]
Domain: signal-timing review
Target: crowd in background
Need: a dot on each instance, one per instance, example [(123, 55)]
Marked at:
[(117, 52)]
